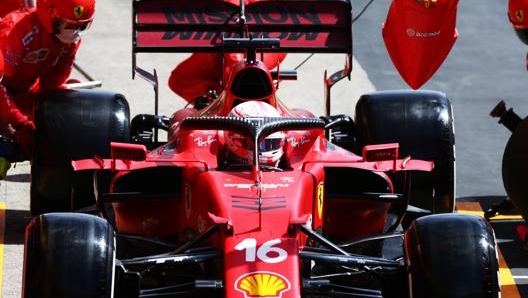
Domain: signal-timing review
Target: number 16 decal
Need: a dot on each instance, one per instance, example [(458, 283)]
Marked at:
[(267, 252)]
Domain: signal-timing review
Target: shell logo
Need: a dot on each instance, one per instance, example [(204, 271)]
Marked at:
[(36, 56), (262, 284)]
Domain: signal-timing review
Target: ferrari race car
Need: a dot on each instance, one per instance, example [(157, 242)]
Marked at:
[(358, 206)]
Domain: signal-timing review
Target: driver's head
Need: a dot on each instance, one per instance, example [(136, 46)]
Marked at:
[(66, 19), (240, 148), (518, 16)]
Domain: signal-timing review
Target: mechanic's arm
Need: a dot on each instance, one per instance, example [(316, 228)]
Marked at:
[(13, 51), (9, 112), (196, 75), (272, 60), (21, 129)]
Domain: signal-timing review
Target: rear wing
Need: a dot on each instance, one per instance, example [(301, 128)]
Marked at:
[(302, 26), (198, 26), (291, 26)]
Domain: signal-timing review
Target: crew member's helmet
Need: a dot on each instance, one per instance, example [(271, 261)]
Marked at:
[(66, 19), (240, 148), (518, 16)]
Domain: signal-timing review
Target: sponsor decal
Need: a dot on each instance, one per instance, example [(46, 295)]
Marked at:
[(294, 142), (201, 142), (320, 199), (251, 185), (262, 284), (201, 224), (278, 16), (428, 3), (263, 20), (413, 33), (36, 56), (187, 196), (12, 57), (286, 179), (150, 223), (28, 38), (63, 53)]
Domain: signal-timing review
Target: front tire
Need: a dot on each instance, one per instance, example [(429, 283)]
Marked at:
[(72, 125), (452, 256), (422, 123), (68, 255)]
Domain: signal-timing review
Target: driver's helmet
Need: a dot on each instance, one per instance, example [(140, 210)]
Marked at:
[(66, 19), (240, 148), (518, 15)]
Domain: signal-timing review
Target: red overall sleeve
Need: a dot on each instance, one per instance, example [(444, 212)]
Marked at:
[(196, 75), (8, 110), (202, 72), (8, 6)]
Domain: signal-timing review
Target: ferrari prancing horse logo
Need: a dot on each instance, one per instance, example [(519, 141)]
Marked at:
[(519, 14), (320, 199), (78, 11)]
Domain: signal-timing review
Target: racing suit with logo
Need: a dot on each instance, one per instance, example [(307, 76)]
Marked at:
[(34, 61)]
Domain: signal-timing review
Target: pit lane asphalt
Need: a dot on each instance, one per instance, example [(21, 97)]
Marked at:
[(485, 65)]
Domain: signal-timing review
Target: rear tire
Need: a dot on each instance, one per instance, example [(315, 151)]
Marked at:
[(68, 255), (422, 123), (452, 256), (72, 125)]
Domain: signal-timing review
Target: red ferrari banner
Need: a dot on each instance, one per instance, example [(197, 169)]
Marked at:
[(418, 35)]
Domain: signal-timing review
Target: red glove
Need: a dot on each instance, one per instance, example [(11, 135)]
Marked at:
[(24, 138)]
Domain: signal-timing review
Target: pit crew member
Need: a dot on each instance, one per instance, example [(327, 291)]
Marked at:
[(39, 46), (518, 16)]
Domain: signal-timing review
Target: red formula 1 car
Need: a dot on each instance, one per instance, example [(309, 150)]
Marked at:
[(354, 206)]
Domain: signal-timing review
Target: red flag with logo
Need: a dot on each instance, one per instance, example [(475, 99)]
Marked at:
[(418, 35)]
